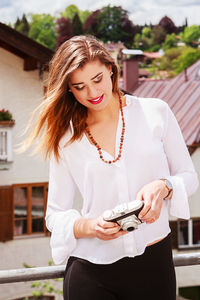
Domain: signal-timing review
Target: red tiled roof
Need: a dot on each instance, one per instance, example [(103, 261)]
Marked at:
[(183, 98)]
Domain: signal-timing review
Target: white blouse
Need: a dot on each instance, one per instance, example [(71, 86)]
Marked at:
[(153, 148)]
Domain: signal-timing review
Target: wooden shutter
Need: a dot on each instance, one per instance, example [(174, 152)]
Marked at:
[(6, 213), (174, 234)]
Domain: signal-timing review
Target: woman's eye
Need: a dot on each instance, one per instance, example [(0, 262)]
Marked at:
[(79, 88), (98, 79)]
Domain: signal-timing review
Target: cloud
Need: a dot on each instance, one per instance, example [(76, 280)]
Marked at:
[(5, 3), (140, 11)]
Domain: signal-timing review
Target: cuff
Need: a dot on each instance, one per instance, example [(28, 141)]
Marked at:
[(178, 204), (63, 241)]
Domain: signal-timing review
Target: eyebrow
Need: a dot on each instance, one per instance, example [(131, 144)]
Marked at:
[(100, 73)]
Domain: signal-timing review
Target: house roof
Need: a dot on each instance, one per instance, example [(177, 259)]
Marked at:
[(132, 52), (22, 46), (114, 46), (182, 93), (153, 55)]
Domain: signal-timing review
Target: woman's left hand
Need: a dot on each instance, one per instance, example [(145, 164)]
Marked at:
[(152, 194)]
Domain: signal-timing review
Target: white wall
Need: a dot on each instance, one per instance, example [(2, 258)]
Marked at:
[(20, 92), (195, 199)]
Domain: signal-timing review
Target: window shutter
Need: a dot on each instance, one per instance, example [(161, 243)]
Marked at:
[(6, 213), (174, 234)]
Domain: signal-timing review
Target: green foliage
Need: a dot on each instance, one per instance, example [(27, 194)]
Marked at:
[(175, 60), (150, 39), (146, 32), (50, 262), (70, 12), (165, 62), (42, 288), (36, 284), (158, 35), (45, 287), (5, 115), (22, 25), (77, 27), (42, 30), (186, 59), (114, 25), (154, 48), (191, 34), (141, 42), (170, 42), (84, 14)]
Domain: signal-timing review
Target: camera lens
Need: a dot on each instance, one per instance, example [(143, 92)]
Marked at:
[(130, 228)]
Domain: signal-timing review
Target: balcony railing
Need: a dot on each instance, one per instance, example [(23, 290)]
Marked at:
[(41, 273)]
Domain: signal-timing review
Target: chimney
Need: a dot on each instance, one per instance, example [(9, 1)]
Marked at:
[(130, 74), (185, 75)]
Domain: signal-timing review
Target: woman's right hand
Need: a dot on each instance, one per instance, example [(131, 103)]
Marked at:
[(98, 228)]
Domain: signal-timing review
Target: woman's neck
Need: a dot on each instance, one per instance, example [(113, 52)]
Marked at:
[(111, 111)]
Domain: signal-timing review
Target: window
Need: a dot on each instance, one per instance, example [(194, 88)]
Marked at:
[(189, 233), (29, 208), (5, 145)]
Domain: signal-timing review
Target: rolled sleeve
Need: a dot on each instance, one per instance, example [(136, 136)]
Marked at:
[(60, 216), (182, 173)]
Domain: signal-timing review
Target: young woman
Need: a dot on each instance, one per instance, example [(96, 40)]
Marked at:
[(114, 148)]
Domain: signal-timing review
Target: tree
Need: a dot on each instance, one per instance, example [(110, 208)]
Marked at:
[(170, 41), (72, 9), (129, 28), (166, 61), (17, 23), (64, 30), (168, 25), (182, 27), (191, 35), (146, 32), (22, 25), (42, 30), (175, 60), (77, 27), (91, 24), (114, 25), (70, 12), (141, 42), (84, 14), (158, 35), (186, 59)]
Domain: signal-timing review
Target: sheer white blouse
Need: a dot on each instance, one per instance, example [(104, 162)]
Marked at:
[(153, 148)]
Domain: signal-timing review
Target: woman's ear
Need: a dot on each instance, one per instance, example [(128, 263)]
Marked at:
[(109, 68)]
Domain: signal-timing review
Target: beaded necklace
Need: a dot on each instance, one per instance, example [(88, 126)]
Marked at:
[(93, 141)]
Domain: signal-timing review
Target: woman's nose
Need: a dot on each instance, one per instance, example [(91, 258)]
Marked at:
[(92, 92)]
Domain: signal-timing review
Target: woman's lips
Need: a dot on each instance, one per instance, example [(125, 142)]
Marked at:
[(96, 100)]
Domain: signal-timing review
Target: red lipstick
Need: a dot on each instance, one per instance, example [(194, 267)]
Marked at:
[(96, 100)]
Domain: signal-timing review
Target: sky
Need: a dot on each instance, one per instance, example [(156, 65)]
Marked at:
[(140, 11)]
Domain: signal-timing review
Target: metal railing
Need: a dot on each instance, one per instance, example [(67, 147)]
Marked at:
[(41, 273)]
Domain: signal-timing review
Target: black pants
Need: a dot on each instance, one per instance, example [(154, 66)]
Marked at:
[(150, 276)]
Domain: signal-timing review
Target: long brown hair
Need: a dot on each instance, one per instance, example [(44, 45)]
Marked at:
[(60, 106)]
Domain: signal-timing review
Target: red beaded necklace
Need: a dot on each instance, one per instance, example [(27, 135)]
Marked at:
[(93, 141)]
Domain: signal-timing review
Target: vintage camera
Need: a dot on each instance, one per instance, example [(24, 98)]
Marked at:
[(125, 215)]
